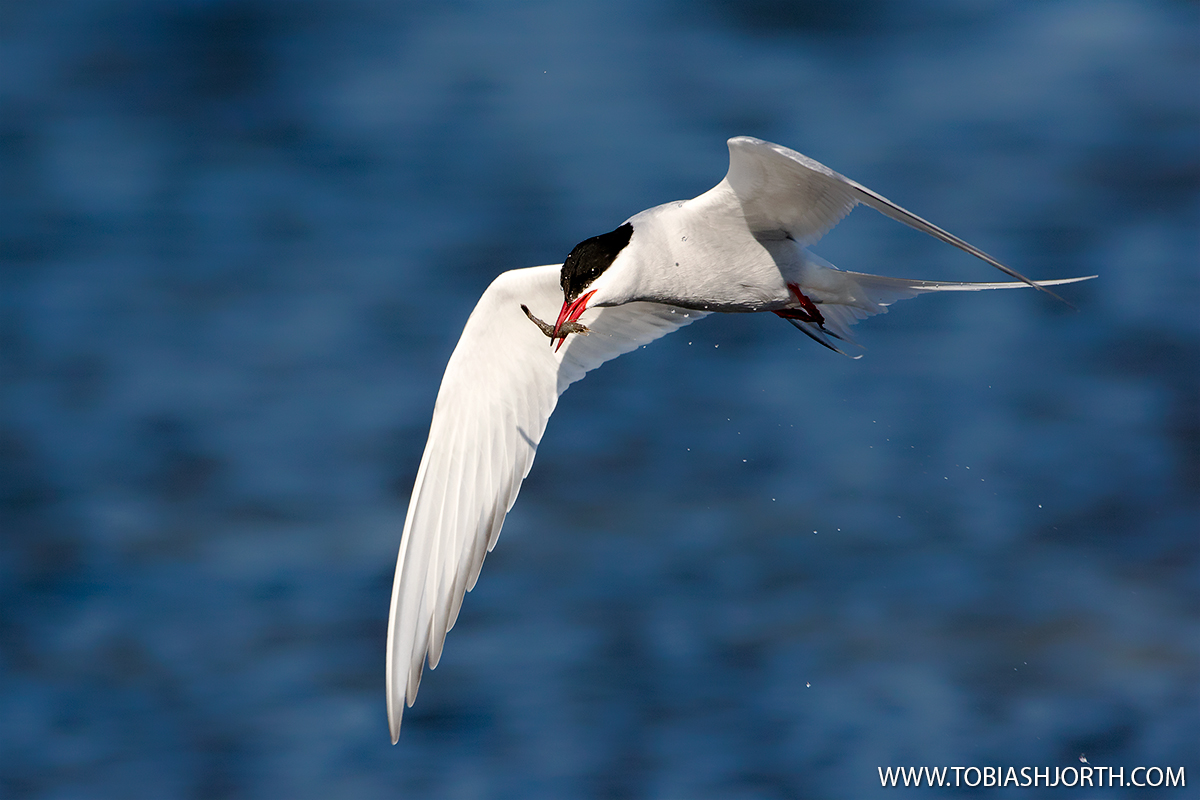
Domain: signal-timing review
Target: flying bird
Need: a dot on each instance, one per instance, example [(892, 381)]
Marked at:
[(739, 247)]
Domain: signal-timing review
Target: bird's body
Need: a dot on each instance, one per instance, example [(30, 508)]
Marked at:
[(673, 243), (740, 247)]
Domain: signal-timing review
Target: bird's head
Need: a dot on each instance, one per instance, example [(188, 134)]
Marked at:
[(583, 266)]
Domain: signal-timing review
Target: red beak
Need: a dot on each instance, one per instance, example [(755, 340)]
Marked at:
[(569, 313)]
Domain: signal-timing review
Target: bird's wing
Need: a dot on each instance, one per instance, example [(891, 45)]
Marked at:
[(500, 386), (782, 192)]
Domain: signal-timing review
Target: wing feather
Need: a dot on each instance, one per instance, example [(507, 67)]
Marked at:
[(501, 384), (783, 192)]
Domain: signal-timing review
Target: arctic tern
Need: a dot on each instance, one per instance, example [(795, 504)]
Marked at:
[(739, 247)]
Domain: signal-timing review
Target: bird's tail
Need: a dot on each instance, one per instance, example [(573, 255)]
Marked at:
[(866, 295)]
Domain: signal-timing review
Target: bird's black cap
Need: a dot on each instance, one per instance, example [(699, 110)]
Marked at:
[(590, 258)]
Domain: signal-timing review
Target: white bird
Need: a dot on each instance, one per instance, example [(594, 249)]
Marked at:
[(739, 247)]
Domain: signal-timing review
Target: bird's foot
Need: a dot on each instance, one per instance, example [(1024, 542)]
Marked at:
[(561, 333)]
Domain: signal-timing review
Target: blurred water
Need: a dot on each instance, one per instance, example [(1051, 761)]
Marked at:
[(238, 242)]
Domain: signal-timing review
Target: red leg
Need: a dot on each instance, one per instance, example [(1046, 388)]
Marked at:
[(808, 311)]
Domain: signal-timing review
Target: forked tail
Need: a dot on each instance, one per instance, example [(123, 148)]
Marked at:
[(827, 318)]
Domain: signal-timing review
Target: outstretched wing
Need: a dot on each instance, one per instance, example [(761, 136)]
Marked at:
[(500, 386), (782, 192)]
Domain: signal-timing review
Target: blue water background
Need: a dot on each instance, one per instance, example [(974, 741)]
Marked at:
[(238, 241)]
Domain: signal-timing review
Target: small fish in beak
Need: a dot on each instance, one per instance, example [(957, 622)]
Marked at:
[(570, 326)]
